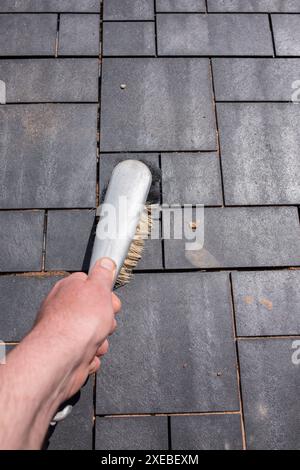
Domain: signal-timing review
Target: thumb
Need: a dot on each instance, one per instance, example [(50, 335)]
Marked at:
[(103, 271)]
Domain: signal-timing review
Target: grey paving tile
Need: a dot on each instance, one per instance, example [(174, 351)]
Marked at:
[(237, 237), (267, 302), (166, 105), (21, 235), (286, 34), (128, 10), (79, 35), (76, 431), (49, 155), (255, 79), (206, 432), (50, 80), (191, 179), (259, 150), (249, 6), (20, 299), (213, 35), (152, 254), (129, 38), (27, 34), (138, 433), (69, 239), (151, 375), (180, 6), (79, 6), (270, 384)]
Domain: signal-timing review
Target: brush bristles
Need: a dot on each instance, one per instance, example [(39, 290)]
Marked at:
[(136, 248)]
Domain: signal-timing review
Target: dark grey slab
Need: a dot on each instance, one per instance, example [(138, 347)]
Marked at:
[(50, 80), (267, 303), (270, 388), (258, 6), (260, 152), (208, 432), (76, 431), (20, 300), (238, 237), (166, 104), (191, 179), (129, 38), (27, 34), (69, 240), (79, 35), (128, 10), (21, 235), (286, 34), (213, 35), (48, 156), (80, 6), (180, 6), (255, 79), (143, 433), (145, 372)]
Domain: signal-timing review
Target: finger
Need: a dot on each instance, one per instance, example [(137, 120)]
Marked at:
[(114, 327), (103, 272), (116, 303), (103, 348), (75, 276), (94, 365)]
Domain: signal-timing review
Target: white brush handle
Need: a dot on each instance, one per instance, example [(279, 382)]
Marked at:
[(121, 211)]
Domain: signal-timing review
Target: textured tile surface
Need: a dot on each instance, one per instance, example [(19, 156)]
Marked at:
[(260, 152), (255, 79), (213, 35), (129, 38), (128, 10), (76, 431), (80, 6), (267, 303), (286, 34), (215, 432), (143, 371), (69, 240), (191, 179), (49, 155), (27, 34), (166, 105), (50, 80), (239, 237), (79, 35), (180, 6), (244, 6), (21, 235), (270, 384), (20, 299), (143, 433)]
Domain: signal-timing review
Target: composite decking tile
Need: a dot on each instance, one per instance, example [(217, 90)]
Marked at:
[(79, 35), (254, 6), (132, 38)]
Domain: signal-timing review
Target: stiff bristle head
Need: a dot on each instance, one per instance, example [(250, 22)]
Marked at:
[(136, 248)]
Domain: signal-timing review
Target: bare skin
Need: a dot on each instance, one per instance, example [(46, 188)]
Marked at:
[(54, 360)]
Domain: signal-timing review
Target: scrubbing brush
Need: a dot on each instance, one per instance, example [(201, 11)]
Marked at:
[(125, 221)]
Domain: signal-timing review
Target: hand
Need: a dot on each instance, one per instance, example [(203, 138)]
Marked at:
[(80, 312)]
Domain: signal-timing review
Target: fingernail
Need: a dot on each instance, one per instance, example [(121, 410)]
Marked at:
[(108, 264)]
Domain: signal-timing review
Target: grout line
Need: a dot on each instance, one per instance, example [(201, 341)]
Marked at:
[(169, 433), (161, 221), (265, 337), (272, 34), (199, 413), (238, 369), (206, 6), (217, 129), (155, 29), (44, 241)]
